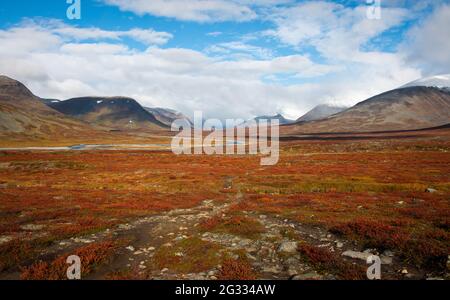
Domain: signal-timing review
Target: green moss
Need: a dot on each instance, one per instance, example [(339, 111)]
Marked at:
[(191, 255), (238, 225)]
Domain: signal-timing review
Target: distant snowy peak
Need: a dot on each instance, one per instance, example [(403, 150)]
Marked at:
[(321, 111), (439, 81), (281, 120)]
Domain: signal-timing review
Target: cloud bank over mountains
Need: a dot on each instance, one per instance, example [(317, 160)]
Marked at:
[(300, 54)]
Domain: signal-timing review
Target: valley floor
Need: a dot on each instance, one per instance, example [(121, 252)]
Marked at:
[(317, 214)]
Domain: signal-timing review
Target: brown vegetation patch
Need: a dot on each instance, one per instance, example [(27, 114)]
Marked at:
[(325, 261), (91, 256), (236, 269)]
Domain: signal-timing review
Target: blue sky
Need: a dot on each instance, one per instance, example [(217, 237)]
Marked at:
[(95, 13), (229, 58), (186, 33)]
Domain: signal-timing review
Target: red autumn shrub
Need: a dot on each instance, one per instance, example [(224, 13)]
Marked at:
[(328, 262), (238, 269), (91, 256), (13, 253), (371, 233)]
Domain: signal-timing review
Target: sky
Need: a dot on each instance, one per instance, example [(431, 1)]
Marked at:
[(226, 58)]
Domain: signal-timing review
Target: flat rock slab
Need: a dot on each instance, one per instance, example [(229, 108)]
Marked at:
[(385, 260), (32, 227), (357, 255), (288, 247), (307, 276), (5, 239)]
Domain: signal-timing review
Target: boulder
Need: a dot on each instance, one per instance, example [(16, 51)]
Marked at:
[(386, 260), (357, 255), (32, 227), (5, 239), (307, 276), (288, 247)]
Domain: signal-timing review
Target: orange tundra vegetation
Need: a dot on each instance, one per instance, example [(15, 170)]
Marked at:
[(371, 192)]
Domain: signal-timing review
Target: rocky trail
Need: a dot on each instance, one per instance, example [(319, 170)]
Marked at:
[(273, 254)]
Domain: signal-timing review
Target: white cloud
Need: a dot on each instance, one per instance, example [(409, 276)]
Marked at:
[(336, 31), (428, 44), (238, 49), (56, 67), (340, 34), (93, 49), (61, 61), (189, 10), (214, 33), (22, 40), (57, 28), (148, 36), (304, 21), (298, 65)]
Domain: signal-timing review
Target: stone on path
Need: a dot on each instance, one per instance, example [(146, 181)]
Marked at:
[(32, 227), (357, 255), (288, 247), (307, 276)]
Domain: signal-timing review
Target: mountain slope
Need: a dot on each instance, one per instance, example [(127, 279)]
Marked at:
[(49, 101), (281, 119), (439, 81), (112, 112), (165, 115), (401, 109), (23, 114), (320, 112), (278, 117), (13, 92)]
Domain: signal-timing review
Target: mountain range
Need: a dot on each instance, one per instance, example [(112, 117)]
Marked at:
[(165, 115), (417, 105), (421, 104), (119, 113), (23, 114), (320, 112), (281, 119)]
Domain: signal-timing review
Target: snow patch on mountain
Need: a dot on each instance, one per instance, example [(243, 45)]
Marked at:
[(439, 81)]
